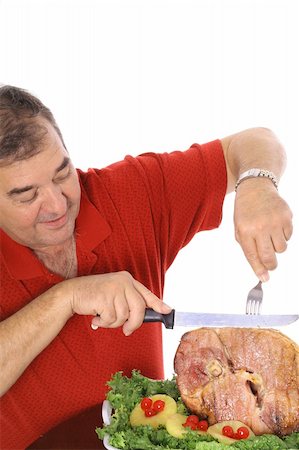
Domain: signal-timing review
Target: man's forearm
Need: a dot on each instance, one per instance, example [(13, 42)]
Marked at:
[(253, 148), (114, 299), (27, 332)]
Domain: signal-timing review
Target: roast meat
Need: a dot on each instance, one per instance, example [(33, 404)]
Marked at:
[(245, 374)]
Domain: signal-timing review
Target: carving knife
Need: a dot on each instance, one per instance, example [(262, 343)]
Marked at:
[(191, 319)]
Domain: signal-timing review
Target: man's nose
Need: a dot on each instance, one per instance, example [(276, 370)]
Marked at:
[(54, 201)]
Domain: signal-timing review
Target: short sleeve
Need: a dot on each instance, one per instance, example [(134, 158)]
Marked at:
[(186, 191)]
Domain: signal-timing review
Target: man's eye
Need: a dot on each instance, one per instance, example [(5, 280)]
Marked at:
[(62, 175), (28, 198)]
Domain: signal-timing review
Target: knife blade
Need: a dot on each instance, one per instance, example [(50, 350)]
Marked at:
[(191, 319)]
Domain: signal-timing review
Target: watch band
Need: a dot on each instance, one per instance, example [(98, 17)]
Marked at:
[(252, 173)]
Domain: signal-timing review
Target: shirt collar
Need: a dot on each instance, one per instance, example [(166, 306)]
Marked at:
[(91, 230)]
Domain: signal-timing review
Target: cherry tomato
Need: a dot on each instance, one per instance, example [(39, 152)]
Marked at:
[(146, 403), (192, 419), (191, 422), (243, 432), (227, 431), (158, 405), (202, 425), (149, 412)]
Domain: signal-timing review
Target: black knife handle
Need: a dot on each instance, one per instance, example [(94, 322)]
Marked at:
[(154, 316)]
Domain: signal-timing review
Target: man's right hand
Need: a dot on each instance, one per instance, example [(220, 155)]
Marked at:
[(115, 299)]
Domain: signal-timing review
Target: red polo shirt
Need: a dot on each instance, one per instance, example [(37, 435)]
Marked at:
[(135, 215)]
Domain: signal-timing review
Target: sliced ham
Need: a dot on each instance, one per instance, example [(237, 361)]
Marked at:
[(245, 374)]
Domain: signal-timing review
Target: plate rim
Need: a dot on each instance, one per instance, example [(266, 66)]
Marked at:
[(106, 415)]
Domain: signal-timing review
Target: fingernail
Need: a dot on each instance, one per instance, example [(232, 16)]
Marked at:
[(264, 277), (94, 327)]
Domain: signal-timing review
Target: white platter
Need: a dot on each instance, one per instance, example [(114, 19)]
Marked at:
[(106, 415)]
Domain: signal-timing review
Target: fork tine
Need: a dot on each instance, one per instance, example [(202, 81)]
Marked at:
[(258, 304), (256, 307), (259, 298), (248, 306)]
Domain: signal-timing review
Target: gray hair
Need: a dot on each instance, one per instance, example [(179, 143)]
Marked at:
[(20, 131)]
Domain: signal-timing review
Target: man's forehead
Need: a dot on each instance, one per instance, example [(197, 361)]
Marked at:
[(30, 172), (52, 155)]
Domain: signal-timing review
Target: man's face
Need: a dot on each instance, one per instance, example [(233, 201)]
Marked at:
[(40, 196)]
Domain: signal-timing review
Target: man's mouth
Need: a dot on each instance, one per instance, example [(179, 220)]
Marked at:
[(56, 223)]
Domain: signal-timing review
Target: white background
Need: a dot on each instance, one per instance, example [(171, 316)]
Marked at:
[(125, 77)]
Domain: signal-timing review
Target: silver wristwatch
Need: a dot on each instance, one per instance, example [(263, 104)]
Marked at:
[(252, 173)]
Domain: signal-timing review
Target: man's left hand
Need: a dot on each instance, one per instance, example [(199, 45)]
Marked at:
[(263, 224)]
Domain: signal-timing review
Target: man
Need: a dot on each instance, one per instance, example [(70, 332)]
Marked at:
[(82, 252)]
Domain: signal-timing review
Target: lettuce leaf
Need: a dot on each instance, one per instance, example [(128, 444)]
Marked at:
[(147, 438), (292, 441), (264, 442), (124, 393)]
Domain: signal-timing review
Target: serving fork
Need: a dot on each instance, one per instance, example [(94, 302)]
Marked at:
[(254, 299)]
